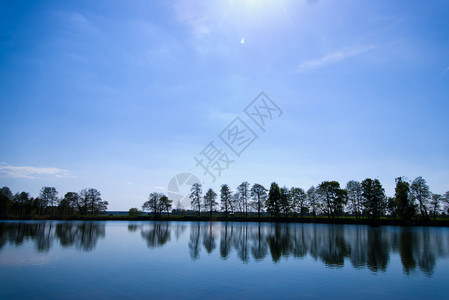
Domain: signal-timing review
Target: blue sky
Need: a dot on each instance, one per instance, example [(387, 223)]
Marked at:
[(121, 95)]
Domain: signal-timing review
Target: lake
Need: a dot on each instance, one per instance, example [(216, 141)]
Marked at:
[(218, 260)]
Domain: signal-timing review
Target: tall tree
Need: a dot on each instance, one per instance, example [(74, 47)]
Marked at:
[(49, 196), (21, 203), (259, 196), (5, 201), (332, 197), (244, 190), (285, 203), (153, 203), (225, 198), (312, 198), (210, 200), (299, 200), (274, 200), (237, 203), (373, 197), (354, 190), (435, 204), (404, 205), (69, 203), (165, 204), (421, 193), (446, 200), (92, 204), (195, 194)]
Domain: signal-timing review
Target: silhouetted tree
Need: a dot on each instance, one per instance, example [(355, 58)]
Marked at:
[(420, 192), (446, 200), (285, 203), (299, 200), (373, 197), (5, 201), (22, 203), (49, 196), (165, 204), (92, 204), (237, 203), (195, 195), (274, 200), (243, 190), (435, 204), (391, 206), (313, 200), (69, 203), (209, 200), (259, 195), (153, 204), (332, 197), (225, 198), (404, 205), (354, 190)]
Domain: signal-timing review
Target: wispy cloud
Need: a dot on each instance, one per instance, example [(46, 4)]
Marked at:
[(445, 71), (31, 172), (159, 187), (332, 58), (195, 15)]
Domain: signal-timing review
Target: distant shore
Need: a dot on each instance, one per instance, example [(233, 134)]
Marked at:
[(317, 220)]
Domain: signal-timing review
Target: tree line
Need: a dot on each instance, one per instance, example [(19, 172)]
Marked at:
[(365, 199), (87, 202)]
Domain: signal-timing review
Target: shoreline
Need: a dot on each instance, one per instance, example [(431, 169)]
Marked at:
[(266, 219)]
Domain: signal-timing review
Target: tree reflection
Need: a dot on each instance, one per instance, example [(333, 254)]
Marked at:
[(83, 236), (226, 240), (334, 245), (209, 239), (259, 247), (418, 248), (157, 235), (194, 242)]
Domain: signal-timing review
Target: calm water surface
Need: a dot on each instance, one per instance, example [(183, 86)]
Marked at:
[(174, 260)]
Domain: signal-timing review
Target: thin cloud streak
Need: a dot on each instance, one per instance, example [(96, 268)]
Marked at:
[(31, 172), (333, 58)]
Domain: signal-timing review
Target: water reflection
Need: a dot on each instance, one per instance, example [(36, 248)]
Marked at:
[(417, 248), (157, 235), (83, 235), (334, 245)]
